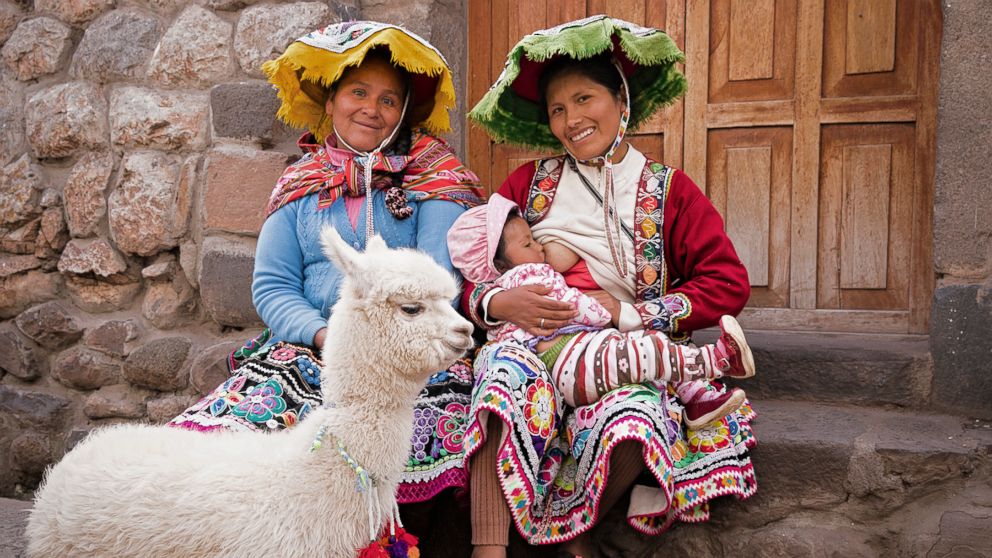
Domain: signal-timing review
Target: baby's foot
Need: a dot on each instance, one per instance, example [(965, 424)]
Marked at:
[(733, 356)]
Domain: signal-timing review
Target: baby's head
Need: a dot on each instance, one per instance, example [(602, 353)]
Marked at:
[(516, 246), (487, 240)]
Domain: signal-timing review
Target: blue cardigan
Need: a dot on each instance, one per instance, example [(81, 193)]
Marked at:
[(294, 286)]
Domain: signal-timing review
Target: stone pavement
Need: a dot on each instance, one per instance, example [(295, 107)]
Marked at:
[(13, 517)]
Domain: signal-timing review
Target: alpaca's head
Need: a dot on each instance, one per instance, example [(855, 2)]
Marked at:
[(395, 303)]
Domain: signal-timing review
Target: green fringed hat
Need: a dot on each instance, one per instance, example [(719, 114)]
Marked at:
[(512, 112)]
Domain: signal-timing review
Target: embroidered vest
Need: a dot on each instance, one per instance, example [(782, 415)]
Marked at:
[(651, 282)]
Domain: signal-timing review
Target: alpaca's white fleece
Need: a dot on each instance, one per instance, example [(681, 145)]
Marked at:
[(140, 490)]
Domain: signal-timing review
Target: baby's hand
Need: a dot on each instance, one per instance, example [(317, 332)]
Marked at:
[(560, 257)]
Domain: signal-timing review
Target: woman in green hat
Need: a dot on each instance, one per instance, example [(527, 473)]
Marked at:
[(373, 97), (653, 244)]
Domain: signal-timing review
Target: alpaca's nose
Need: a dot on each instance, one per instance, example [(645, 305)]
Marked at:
[(463, 328)]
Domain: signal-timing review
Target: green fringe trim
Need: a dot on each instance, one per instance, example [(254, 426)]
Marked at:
[(509, 118)]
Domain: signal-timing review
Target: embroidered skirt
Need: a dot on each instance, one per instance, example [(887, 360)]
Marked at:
[(552, 463), (276, 386)]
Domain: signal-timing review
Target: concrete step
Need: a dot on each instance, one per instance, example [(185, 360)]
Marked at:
[(844, 480), (843, 368)]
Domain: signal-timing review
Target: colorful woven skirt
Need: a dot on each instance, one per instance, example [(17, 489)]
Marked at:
[(276, 386), (553, 461)]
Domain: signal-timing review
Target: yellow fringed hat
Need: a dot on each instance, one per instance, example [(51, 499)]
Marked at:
[(311, 64)]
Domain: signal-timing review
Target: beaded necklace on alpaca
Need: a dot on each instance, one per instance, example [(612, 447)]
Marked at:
[(366, 485)]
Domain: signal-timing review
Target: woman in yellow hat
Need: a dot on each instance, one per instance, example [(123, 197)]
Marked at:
[(373, 97)]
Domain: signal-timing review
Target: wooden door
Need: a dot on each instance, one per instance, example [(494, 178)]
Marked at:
[(810, 124)]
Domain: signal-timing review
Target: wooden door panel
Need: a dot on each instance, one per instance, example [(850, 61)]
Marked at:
[(871, 47), (752, 53), (749, 181), (865, 216), (810, 125)]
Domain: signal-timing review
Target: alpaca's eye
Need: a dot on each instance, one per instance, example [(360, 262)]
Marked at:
[(412, 309)]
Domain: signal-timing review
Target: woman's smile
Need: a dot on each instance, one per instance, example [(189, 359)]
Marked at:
[(583, 115)]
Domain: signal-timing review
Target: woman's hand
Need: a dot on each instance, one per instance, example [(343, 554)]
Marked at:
[(528, 308), (318, 339), (611, 304)]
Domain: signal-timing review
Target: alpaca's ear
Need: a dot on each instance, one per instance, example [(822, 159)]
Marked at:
[(339, 252), (376, 244)]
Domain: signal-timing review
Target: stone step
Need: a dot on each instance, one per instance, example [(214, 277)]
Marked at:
[(844, 480), (844, 368)]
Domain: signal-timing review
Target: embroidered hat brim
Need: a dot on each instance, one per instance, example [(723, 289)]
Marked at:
[(304, 73), (511, 111)]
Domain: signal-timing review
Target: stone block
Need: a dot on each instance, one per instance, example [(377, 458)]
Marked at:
[(237, 187), (414, 15), (162, 410), (31, 452), (170, 304), (21, 240), (159, 364), (65, 119), (83, 194), (263, 32), (12, 141), (962, 234), (149, 207), (95, 256), (963, 534), (961, 348), (19, 292), (92, 294), (165, 120), (53, 234), (38, 47), (10, 16), (117, 45), (225, 280), (195, 51), (50, 325), (19, 357), (32, 407), (210, 369), (83, 369), (76, 12), (20, 189), (117, 401), (13, 264), (111, 337), (244, 110), (861, 368)]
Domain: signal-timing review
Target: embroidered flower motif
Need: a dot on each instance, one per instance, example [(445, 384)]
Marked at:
[(309, 371), (262, 403), (585, 417), (424, 422), (461, 371), (283, 354), (451, 427), (227, 395), (623, 365), (709, 438), (539, 409)]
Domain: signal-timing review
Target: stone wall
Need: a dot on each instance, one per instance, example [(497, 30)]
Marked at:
[(961, 318), (138, 146)]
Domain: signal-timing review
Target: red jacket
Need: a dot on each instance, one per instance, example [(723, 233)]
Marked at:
[(700, 277)]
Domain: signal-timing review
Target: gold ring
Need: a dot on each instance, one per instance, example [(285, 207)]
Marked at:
[(542, 323)]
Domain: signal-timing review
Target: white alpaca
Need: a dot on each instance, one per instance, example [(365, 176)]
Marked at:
[(140, 490)]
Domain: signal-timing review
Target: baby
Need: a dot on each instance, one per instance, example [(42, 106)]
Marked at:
[(493, 243)]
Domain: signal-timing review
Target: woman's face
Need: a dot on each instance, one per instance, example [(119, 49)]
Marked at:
[(584, 115), (367, 104)]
